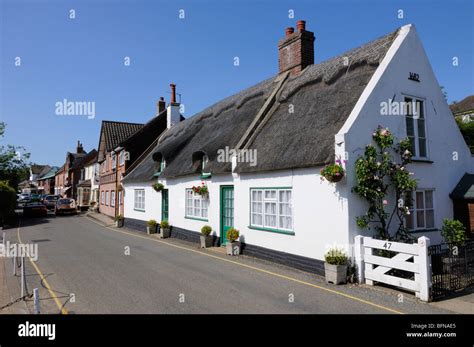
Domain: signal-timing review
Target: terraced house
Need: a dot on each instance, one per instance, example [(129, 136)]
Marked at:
[(293, 124)]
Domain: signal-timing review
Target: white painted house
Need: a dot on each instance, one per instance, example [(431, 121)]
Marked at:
[(295, 123)]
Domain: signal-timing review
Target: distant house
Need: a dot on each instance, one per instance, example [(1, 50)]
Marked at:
[(290, 126), (30, 186), (464, 110), (111, 165), (67, 177), (88, 184), (46, 181)]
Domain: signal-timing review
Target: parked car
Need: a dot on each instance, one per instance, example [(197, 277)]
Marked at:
[(65, 205), (35, 197), (50, 201), (34, 209), (23, 199), (42, 197)]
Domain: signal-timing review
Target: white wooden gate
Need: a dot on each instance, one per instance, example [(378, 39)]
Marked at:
[(408, 257)]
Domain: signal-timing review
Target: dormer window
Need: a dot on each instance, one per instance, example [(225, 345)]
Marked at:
[(200, 164), (160, 163)]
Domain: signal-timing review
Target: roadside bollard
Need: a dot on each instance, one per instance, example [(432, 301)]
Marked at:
[(23, 279), (36, 300), (14, 266), (3, 238)]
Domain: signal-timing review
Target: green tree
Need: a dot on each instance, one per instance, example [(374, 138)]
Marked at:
[(7, 201), (379, 175), (14, 166)]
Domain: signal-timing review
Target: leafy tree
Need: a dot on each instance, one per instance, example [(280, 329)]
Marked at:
[(453, 231), (14, 166), (379, 175), (467, 131)]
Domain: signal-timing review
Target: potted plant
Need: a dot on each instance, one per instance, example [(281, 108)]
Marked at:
[(201, 190), (165, 229), (206, 238), (233, 246), (335, 267), (119, 221), (333, 172), (151, 226), (158, 187)]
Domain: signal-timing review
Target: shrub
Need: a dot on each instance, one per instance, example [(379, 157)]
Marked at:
[(119, 218), (164, 224), (7, 200), (158, 187), (453, 231), (336, 257), (201, 190), (206, 230), (232, 234), (152, 223)]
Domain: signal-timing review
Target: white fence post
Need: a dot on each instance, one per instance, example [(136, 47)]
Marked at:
[(425, 268), (359, 257), (22, 276)]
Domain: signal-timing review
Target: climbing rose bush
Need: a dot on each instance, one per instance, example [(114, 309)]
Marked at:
[(381, 173)]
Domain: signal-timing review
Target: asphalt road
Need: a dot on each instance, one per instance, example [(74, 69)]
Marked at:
[(88, 267)]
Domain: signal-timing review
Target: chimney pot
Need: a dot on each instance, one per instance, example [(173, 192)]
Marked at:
[(289, 31), (301, 25), (173, 93)]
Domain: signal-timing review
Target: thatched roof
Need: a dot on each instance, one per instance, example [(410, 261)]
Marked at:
[(323, 96)]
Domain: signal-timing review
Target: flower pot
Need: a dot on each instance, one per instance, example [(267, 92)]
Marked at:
[(119, 223), (335, 274), (151, 230), (334, 179), (165, 233), (233, 248), (206, 241)]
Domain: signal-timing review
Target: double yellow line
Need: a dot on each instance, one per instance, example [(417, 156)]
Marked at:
[(43, 279)]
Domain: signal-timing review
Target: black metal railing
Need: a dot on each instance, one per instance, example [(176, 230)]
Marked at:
[(452, 268)]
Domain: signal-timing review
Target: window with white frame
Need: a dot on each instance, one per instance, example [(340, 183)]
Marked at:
[(196, 205), (271, 208), (107, 198), (139, 199), (120, 197), (112, 198), (416, 126), (421, 211), (114, 161), (102, 197)]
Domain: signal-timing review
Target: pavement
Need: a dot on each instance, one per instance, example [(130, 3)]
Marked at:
[(86, 265)]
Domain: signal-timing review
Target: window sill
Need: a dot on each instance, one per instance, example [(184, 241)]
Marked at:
[(415, 231), (285, 232), (427, 161), (196, 218), (138, 210)]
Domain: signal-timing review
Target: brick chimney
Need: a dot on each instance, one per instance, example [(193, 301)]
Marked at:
[(161, 105), (79, 148), (296, 50), (173, 115)]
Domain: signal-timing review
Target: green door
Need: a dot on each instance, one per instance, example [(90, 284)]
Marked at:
[(227, 211), (164, 204)]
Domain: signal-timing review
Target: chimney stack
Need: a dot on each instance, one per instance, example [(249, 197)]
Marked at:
[(173, 116), (296, 50), (79, 148), (161, 105)]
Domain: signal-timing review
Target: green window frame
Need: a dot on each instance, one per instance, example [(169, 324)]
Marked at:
[(271, 209)]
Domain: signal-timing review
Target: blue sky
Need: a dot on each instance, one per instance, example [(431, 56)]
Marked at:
[(82, 59)]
